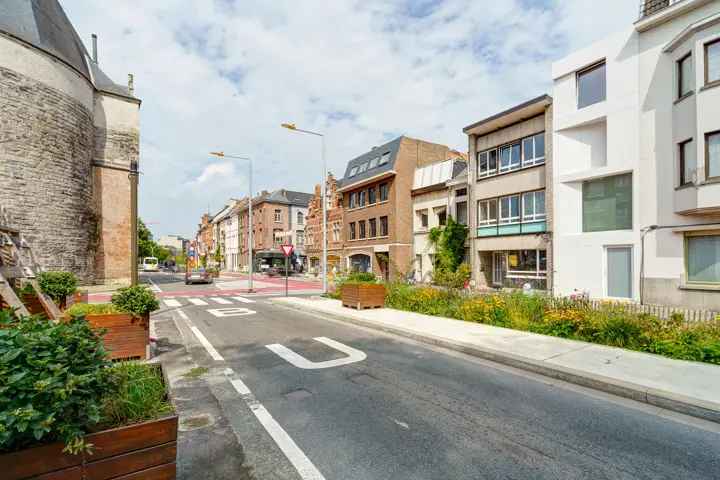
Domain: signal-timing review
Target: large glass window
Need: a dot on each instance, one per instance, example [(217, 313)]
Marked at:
[(703, 259), (526, 264), (487, 212), (591, 85), (352, 230), (372, 195), (619, 272), (461, 212), (383, 226), (384, 190), (533, 206), (685, 75), (607, 204), (373, 227), (712, 154), (712, 62), (362, 228), (510, 157), (533, 150), (361, 198), (686, 152), (487, 163), (353, 200), (510, 209)]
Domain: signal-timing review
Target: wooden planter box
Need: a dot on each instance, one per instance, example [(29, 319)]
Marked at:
[(33, 304), (363, 295), (126, 337), (142, 451)]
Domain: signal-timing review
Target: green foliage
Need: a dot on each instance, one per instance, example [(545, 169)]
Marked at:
[(52, 381), (449, 244), (138, 300), (610, 324), (452, 278), (84, 309), (352, 278), (218, 256), (136, 393), (57, 285)]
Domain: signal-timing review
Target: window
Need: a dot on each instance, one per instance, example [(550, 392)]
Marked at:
[(510, 209), (362, 228), (373, 227), (352, 230), (510, 157), (372, 195), (619, 272), (442, 217), (300, 218), (712, 154), (278, 214), (383, 226), (353, 200), (353, 171), (703, 258), (385, 158), (461, 192), (300, 238), (533, 150), (591, 85), (686, 152), (684, 75), (384, 192), (487, 212), (527, 264), (487, 163), (422, 216), (362, 168), (607, 204), (461, 213), (374, 162), (533, 206), (712, 62), (361, 197)]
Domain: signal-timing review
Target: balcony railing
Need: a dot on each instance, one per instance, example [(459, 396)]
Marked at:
[(651, 7)]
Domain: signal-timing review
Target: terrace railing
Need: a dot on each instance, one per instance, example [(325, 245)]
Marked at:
[(651, 7)]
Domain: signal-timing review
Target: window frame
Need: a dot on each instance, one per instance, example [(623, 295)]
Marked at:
[(387, 192), (373, 162), (362, 168), (512, 220), (442, 215), (535, 217), (535, 160), (537, 274), (372, 230), (362, 194), (300, 218), (686, 260), (353, 172), (362, 230), (707, 156), (680, 75), (706, 47), (372, 195), (490, 221), (352, 230), (632, 202), (457, 214), (277, 216), (423, 217), (386, 225), (681, 163), (510, 147), (488, 172), (352, 200), (583, 71), (384, 158)]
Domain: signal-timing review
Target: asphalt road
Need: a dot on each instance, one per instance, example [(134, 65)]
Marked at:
[(410, 411)]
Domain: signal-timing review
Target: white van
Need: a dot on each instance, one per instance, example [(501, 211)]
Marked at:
[(150, 264)]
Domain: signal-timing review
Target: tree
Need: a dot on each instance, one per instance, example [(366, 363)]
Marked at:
[(449, 241)]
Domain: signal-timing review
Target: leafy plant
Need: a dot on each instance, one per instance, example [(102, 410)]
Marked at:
[(52, 383), (57, 285), (83, 309), (449, 244), (452, 278), (138, 300)]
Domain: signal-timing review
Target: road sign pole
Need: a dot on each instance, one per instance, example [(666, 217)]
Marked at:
[(287, 273)]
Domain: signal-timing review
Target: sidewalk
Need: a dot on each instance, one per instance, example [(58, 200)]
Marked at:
[(686, 387)]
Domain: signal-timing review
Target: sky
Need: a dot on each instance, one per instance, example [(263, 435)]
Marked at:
[(224, 74)]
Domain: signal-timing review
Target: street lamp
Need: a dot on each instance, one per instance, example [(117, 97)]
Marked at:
[(250, 215), (291, 126)]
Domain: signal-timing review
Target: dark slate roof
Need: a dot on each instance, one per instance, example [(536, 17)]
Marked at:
[(290, 197), (44, 25), (391, 147)]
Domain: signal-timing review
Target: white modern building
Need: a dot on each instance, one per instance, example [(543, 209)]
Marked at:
[(636, 146)]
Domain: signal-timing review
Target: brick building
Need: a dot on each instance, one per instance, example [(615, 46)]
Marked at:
[(314, 225), (378, 216)]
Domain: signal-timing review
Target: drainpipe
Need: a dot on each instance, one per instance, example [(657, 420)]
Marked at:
[(133, 177)]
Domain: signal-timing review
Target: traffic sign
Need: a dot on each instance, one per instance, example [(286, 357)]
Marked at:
[(287, 249)]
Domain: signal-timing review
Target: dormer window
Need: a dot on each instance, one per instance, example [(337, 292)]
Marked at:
[(385, 158)]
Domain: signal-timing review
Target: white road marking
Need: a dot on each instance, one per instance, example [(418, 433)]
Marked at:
[(230, 312), (243, 300), (171, 302), (184, 316), (299, 361), (299, 460), (401, 424), (208, 346), (221, 301), (153, 286), (197, 301)]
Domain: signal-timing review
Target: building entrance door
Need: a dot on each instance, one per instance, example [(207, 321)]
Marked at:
[(499, 268)]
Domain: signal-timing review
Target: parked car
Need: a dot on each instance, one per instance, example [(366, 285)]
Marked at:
[(198, 275), (277, 270)]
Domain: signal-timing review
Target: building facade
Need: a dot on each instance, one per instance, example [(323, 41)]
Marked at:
[(377, 203), (439, 190), (314, 229), (69, 147), (510, 191), (637, 149)]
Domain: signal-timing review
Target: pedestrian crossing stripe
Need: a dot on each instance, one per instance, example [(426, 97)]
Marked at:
[(221, 301), (189, 301), (172, 303), (243, 300), (197, 301)]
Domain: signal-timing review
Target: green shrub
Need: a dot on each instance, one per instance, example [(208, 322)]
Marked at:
[(137, 393), (57, 285), (84, 309), (452, 279), (138, 300), (361, 277), (52, 381)]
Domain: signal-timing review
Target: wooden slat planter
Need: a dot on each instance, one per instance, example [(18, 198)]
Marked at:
[(142, 451), (363, 295), (33, 304), (126, 336)]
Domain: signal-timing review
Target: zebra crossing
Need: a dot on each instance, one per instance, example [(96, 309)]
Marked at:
[(194, 301)]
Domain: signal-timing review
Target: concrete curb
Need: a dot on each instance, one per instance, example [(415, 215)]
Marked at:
[(670, 401)]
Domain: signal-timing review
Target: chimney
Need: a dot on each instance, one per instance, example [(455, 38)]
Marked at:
[(131, 83), (94, 48)]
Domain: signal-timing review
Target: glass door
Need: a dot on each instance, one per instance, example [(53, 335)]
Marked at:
[(499, 268), (619, 272)]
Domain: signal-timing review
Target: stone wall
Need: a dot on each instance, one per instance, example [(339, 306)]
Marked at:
[(46, 152)]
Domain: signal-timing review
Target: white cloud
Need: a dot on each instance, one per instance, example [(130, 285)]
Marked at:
[(223, 75)]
